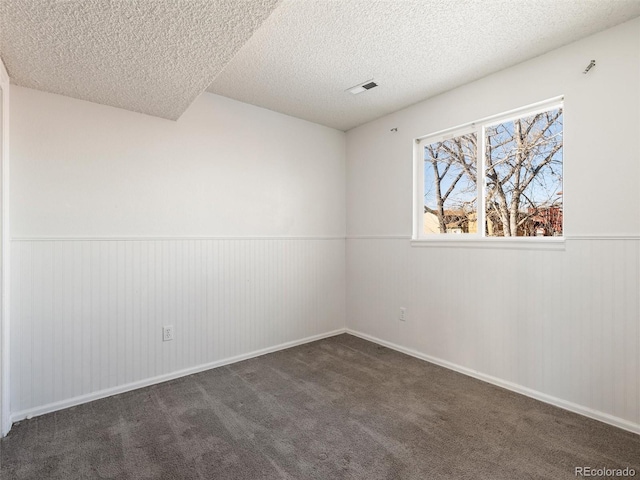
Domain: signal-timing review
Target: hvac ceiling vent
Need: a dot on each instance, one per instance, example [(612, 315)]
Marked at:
[(362, 87)]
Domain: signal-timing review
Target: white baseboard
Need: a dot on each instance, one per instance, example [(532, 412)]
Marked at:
[(89, 397), (514, 387), (572, 407)]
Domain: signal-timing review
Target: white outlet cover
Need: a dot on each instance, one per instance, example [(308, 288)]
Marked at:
[(167, 333)]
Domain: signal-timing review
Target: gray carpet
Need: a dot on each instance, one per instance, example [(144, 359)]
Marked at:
[(340, 408)]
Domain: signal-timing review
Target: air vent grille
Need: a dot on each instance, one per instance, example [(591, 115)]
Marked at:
[(362, 87)]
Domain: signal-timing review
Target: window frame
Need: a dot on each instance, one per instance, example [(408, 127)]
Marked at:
[(478, 239)]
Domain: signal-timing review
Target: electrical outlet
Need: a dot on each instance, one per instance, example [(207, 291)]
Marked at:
[(402, 315), (167, 333)]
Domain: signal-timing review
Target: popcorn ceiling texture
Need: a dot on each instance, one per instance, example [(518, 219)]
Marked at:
[(149, 56), (308, 52), (156, 56)]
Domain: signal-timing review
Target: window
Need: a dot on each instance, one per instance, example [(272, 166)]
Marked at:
[(499, 177)]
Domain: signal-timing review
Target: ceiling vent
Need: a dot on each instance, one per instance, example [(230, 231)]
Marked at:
[(362, 87)]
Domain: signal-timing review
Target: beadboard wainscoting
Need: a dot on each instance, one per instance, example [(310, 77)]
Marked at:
[(87, 314), (561, 326)]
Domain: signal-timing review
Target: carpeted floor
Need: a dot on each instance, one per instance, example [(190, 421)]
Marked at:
[(340, 408)]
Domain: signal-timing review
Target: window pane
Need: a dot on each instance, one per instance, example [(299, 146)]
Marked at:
[(523, 170), (450, 189)]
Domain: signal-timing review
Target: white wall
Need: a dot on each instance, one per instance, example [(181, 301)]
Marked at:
[(564, 326), (225, 168), (5, 422), (123, 224)]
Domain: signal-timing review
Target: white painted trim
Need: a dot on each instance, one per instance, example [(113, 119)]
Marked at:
[(621, 236), (615, 236), (378, 237), (5, 419), (512, 114), (348, 237), (4, 76), (481, 200), (514, 387), (418, 190), (142, 238), (71, 402), (519, 243)]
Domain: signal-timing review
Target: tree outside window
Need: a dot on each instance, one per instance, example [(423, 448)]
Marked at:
[(520, 171)]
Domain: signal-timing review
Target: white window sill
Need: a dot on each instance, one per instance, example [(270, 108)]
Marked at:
[(519, 243)]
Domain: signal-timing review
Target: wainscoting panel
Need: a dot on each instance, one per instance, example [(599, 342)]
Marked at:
[(87, 315), (564, 324)]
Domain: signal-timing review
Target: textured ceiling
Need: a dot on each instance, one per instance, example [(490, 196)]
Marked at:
[(157, 56), (308, 52), (149, 56)]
